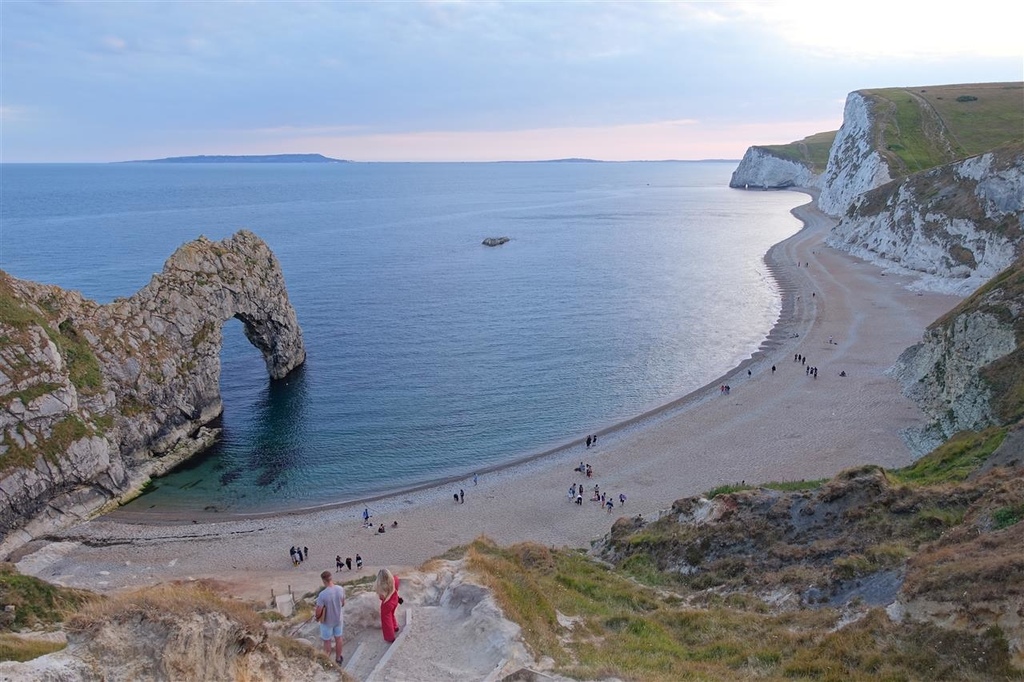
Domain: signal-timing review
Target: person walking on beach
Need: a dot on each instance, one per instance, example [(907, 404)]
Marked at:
[(366, 517), (330, 605), (588, 442), (462, 496), (337, 563), (474, 479), (359, 562), (386, 587)]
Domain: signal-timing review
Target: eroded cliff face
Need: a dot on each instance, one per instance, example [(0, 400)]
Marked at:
[(954, 226), (855, 165), (96, 399), (762, 169), (966, 374)]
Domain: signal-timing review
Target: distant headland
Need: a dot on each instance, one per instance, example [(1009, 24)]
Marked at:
[(264, 158)]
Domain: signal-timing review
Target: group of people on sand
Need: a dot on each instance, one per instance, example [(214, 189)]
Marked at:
[(298, 554), (585, 469), (576, 493), (347, 563), (330, 611), (591, 440)]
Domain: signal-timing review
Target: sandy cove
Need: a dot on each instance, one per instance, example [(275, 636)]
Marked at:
[(772, 426)]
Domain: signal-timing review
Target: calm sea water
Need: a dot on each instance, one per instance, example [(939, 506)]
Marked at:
[(625, 286)]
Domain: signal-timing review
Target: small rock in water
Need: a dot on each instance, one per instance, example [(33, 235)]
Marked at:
[(495, 241)]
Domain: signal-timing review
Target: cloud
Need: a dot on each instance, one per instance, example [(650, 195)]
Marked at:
[(113, 44), (110, 72), (9, 114), (879, 30)]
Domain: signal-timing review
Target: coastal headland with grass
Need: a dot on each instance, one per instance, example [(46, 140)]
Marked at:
[(829, 508)]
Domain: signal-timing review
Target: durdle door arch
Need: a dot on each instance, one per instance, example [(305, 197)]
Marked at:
[(118, 393)]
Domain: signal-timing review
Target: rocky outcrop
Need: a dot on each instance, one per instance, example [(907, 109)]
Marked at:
[(173, 633), (954, 226), (96, 399), (929, 553), (855, 164), (495, 241), (966, 373), (761, 168)]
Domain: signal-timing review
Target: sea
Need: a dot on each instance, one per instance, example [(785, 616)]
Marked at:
[(623, 286)]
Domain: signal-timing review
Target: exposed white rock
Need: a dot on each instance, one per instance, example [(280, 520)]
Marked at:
[(942, 374), (761, 168), (854, 164), (954, 227)]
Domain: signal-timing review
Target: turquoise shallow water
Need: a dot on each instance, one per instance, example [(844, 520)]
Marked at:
[(623, 287)]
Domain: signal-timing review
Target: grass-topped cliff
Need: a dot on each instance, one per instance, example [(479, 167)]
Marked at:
[(923, 127), (812, 151)]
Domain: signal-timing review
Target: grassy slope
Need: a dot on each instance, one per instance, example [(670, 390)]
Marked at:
[(36, 604), (812, 150), (924, 127), (643, 619)]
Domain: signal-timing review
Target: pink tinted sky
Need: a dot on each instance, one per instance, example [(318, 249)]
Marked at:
[(467, 81)]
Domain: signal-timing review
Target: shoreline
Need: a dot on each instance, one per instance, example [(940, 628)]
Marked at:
[(774, 425), (666, 410)]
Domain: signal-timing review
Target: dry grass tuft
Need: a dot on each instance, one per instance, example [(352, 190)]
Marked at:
[(14, 648), (163, 601)]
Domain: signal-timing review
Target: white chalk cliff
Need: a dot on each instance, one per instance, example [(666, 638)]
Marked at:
[(855, 165), (761, 168), (954, 227)]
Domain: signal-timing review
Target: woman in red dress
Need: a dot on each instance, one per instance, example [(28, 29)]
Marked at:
[(386, 587)]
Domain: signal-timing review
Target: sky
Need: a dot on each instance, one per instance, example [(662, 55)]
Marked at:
[(468, 81)]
